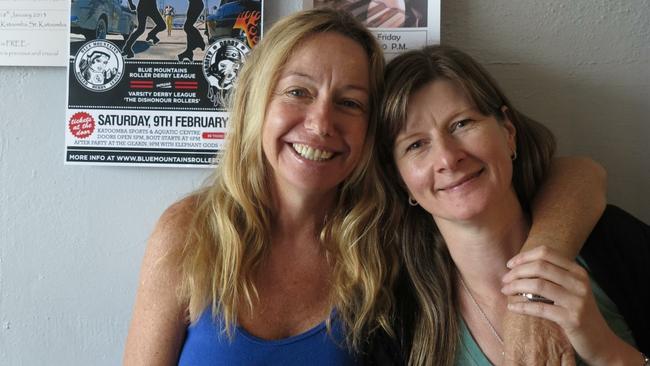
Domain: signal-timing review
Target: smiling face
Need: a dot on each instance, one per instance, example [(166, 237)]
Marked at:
[(454, 161), (316, 120)]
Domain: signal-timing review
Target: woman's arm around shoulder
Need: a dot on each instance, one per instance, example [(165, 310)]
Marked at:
[(567, 205), (159, 319), (565, 210)]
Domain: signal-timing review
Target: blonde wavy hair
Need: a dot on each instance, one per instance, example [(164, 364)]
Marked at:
[(428, 328), (231, 227)]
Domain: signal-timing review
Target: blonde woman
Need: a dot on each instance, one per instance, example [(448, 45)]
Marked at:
[(282, 257), (281, 252)]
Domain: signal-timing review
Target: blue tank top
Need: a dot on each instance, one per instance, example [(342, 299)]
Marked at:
[(206, 344)]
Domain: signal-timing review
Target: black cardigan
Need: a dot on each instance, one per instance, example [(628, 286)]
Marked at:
[(618, 255)]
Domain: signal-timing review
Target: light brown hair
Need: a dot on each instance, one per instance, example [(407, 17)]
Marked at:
[(434, 334)]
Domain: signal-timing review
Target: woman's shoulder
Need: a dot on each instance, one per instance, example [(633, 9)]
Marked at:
[(171, 229), (160, 315), (179, 215), (181, 211)]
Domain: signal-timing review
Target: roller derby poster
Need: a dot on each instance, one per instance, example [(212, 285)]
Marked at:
[(148, 80)]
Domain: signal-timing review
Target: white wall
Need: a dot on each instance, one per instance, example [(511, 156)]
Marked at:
[(71, 238)]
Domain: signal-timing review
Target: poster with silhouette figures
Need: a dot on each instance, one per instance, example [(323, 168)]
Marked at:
[(399, 25), (148, 80)]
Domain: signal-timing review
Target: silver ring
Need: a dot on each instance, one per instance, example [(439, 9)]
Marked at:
[(536, 298)]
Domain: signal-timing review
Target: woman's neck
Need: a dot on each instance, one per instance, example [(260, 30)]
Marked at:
[(298, 219), (480, 248)]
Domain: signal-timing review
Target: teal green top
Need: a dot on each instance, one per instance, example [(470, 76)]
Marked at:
[(468, 353)]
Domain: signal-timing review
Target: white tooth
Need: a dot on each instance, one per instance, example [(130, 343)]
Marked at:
[(300, 149), (311, 153)]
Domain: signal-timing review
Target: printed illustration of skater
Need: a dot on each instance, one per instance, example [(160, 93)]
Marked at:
[(145, 9), (169, 13), (194, 38)]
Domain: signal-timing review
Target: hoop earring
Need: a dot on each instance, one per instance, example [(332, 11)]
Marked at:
[(514, 155), (412, 202)]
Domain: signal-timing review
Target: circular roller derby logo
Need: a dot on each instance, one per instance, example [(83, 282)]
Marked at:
[(223, 60), (98, 65)]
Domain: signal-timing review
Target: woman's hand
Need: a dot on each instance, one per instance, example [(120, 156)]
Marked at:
[(543, 271)]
